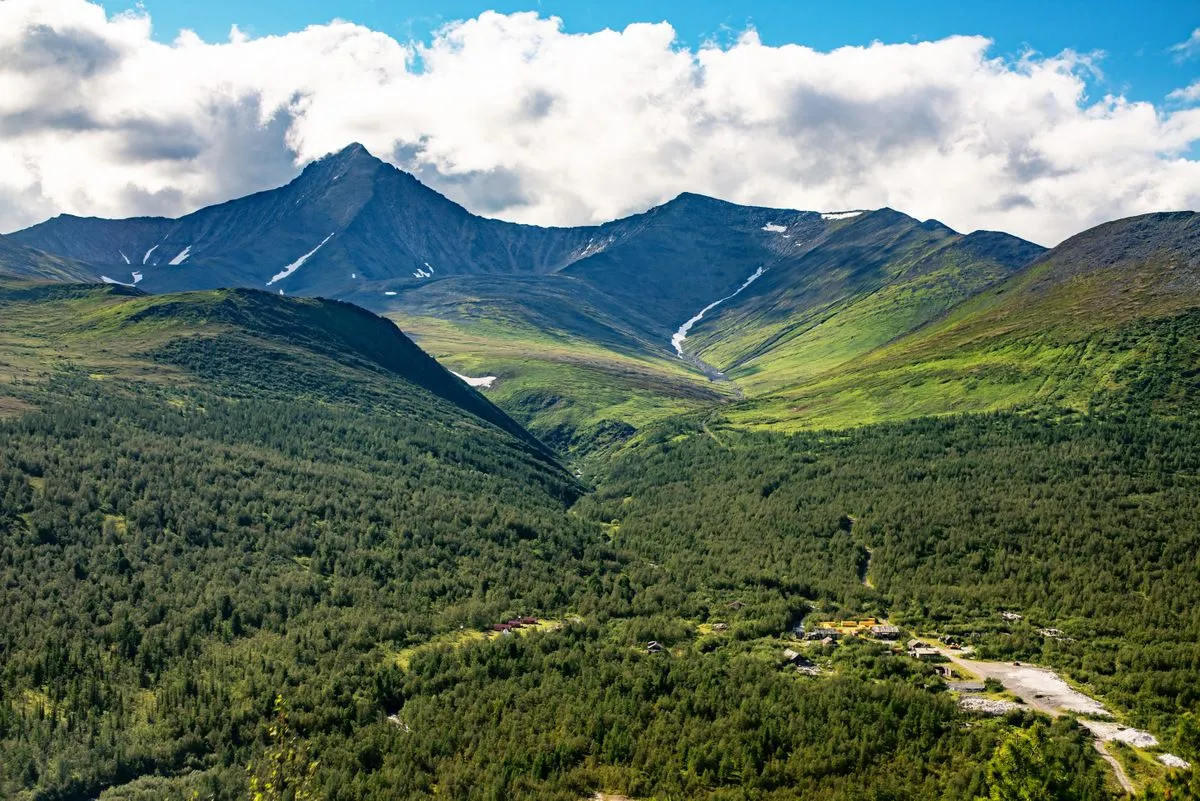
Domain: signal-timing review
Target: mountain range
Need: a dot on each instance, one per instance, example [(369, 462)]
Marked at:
[(591, 332), (254, 540)]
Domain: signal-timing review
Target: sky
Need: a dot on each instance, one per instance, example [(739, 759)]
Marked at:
[(1040, 119)]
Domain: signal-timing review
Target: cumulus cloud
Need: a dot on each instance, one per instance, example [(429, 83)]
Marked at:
[(515, 118)]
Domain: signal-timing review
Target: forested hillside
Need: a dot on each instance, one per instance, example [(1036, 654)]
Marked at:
[(243, 534)]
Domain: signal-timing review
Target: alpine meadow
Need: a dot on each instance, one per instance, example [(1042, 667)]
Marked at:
[(350, 486)]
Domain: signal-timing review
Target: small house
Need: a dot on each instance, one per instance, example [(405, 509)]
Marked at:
[(828, 642), (885, 631), (654, 647), (823, 633)]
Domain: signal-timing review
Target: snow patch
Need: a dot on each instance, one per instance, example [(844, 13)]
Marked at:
[(680, 335), (298, 263), (389, 294), (137, 277), (354, 275), (485, 382), (840, 215), (181, 256), (108, 280), (420, 273), (123, 256), (430, 268), (772, 227), (146, 258)]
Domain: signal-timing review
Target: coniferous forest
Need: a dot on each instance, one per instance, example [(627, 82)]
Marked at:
[(265, 567)]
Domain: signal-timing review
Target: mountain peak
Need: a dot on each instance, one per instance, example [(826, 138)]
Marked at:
[(353, 152)]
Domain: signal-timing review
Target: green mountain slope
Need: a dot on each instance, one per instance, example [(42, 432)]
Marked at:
[(20, 261), (1054, 333), (867, 281), (572, 363)]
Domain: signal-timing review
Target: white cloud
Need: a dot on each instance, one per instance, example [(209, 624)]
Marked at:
[(517, 119), (1189, 94), (1185, 50)]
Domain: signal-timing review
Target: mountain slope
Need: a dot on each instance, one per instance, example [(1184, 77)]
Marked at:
[(870, 280), (248, 342), (347, 224), (1056, 332), (20, 261)]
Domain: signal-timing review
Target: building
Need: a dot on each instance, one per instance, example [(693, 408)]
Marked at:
[(654, 647), (822, 634), (885, 631), (1011, 616), (926, 653)]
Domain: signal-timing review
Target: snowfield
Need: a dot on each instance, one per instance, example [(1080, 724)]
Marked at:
[(679, 336), (840, 215), (485, 382), (180, 257), (298, 263)]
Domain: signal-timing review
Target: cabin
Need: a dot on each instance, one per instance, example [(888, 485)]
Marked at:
[(654, 647), (799, 661), (822, 634), (926, 653), (502, 627), (885, 631), (828, 642)]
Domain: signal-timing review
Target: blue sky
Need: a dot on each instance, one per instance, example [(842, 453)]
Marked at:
[(1135, 37)]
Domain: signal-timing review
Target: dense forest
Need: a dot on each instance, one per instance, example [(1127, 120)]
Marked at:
[(283, 567)]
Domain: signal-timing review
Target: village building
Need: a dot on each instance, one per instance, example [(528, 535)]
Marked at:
[(654, 647), (823, 633), (885, 631), (926, 653)]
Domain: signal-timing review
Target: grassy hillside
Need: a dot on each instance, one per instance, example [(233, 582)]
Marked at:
[(1057, 332), (572, 365), (18, 261)]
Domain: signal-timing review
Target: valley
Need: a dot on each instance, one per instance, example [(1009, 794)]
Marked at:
[(442, 506)]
